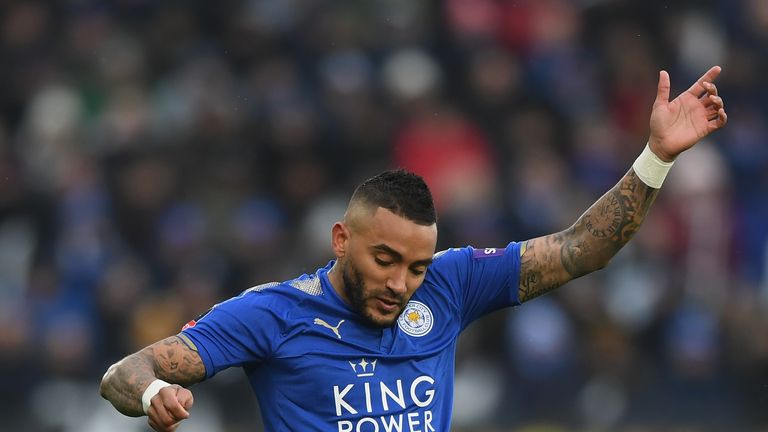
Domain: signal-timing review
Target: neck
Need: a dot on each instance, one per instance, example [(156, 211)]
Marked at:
[(337, 281)]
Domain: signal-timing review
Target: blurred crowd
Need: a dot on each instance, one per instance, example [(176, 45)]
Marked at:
[(157, 157)]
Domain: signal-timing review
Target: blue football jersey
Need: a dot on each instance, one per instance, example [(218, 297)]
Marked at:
[(317, 365)]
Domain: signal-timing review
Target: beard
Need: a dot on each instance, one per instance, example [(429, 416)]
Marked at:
[(355, 289)]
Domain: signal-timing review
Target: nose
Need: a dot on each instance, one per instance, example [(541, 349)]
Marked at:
[(396, 281)]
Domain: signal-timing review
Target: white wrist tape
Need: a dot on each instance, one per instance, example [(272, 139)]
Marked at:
[(651, 170), (152, 389)]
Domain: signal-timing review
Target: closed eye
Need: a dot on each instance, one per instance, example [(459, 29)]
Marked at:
[(382, 262), (418, 271)]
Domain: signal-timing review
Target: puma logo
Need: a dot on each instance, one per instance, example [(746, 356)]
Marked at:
[(321, 322)]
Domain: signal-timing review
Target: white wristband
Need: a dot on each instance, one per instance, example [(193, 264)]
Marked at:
[(651, 170), (152, 389)]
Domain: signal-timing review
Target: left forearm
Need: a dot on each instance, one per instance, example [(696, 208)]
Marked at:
[(607, 226), (590, 243)]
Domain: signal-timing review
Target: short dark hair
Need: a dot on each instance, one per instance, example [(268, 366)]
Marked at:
[(401, 192)]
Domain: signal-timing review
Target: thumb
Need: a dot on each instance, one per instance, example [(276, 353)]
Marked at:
[(662, 93)]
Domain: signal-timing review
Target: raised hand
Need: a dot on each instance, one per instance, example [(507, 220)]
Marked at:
[(679, 124)]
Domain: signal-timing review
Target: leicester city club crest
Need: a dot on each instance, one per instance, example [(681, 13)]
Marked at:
[(416, 320)]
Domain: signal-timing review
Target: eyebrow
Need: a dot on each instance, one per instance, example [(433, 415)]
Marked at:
[(398, 256)]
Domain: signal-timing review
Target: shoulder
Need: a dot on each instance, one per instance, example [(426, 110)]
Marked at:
[(466, 254), (460, 263), (450, 257), (274, 298), (292, 290), (457, 259), (449, 265)]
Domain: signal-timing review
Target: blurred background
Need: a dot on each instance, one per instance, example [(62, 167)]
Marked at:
[(157, 157)]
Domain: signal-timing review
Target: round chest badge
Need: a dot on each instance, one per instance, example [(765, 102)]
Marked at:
[(416, 319)]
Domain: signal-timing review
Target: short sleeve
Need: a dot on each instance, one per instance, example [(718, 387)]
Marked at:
[(244, 329), (483, 280)]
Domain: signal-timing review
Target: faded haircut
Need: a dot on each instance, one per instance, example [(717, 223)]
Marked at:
[(401, 192)]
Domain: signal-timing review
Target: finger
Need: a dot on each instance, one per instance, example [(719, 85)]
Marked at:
[(161, 414), (171, 403), (185, 398), (153, 422), (712, 103), (718, 121), (697, 89), (662, 91), (711, 89), (723, 118), (713, 112), (715, 101)]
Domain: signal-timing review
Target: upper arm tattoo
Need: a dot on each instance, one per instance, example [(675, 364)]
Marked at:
[(541, 266), (550, 261)]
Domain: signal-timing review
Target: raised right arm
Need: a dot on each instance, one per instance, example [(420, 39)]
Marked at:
[(174, 359)]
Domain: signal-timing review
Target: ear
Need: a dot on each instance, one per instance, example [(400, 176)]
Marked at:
[(339, 239)]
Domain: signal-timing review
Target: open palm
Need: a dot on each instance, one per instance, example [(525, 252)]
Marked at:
[(679, 124)]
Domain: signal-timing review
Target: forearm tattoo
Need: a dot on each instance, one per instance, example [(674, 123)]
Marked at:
[(590, 243), (177, 361), (173, 359)]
